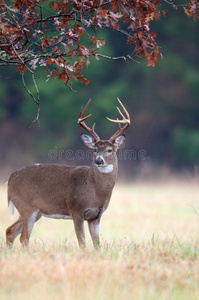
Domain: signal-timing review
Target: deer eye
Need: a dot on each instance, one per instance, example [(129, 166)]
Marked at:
[(109, 150)]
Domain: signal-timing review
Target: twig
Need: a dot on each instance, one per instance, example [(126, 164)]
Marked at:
[(173, 4), (36, 101), (125, 58)]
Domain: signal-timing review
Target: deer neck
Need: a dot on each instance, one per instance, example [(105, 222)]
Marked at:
[(104, 177)]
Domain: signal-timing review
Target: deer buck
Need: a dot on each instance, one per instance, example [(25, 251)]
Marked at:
[(79, 193)]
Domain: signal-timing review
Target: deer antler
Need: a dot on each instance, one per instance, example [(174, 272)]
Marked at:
[(81, 122), (125, 120)]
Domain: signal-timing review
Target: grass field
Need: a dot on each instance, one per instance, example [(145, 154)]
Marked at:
[(150, 250)]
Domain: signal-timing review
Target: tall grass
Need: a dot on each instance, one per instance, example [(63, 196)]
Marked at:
[(150, 250)]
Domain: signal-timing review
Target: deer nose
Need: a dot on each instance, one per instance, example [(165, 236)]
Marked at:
[(99, 161)]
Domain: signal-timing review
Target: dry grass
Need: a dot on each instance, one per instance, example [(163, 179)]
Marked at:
[(150, 250)]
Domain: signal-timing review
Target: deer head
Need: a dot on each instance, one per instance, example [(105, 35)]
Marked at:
[(104, 150)]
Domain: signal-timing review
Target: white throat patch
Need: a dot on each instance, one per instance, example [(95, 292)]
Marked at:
[(105, 169)]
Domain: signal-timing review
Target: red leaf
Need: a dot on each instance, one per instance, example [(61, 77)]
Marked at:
[(21, 69), (81, 79), (86, 81), (45, 42)]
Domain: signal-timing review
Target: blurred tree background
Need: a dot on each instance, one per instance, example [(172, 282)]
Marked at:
[(163, 103)]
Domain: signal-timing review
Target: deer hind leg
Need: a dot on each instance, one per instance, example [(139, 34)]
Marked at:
[(94, 232), (13, 231), (28, 224), (79, 229)]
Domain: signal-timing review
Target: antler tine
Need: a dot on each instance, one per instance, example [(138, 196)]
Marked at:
[(93, 126), (121, 114), (118, 121), (119, 125), (125, 120), (124, 109), (85, 109), (80, 112), (81, 120)]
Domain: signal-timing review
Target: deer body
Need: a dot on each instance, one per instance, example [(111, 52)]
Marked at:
[(78, 193)]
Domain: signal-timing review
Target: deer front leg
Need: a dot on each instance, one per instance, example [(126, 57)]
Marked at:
[(94, 232), (79, 229)]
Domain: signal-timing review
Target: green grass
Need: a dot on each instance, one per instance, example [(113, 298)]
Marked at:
[(150, 250)]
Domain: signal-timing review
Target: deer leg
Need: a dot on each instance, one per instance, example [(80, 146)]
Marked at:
[(27, 227), (79, 229), (94, 232), (24, 239), (13, 231)]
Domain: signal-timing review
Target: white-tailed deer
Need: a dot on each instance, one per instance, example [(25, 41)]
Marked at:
[(78, 193)]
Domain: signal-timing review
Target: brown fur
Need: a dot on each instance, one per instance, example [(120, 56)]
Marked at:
[(80, 192)]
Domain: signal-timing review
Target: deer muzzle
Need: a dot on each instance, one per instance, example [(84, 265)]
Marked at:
[(99, 161)]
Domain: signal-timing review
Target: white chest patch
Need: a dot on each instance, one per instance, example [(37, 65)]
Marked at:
[(106, 169)]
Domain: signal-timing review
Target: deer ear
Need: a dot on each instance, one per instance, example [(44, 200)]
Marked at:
[(119, 141), (88, 140)]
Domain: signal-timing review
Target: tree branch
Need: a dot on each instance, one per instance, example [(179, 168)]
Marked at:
[(125, 58), (37, 101)]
